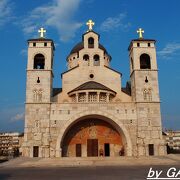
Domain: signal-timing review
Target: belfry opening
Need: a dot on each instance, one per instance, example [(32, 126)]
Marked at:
[(92, 137)]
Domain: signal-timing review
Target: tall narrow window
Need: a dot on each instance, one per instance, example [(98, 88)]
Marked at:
[(145, 62), (37, 95), (39, 61), (145, 94), (40, 96), (96, 60), (149, 94), (102, 97), (91, 42), (35, 92), (132, 64)]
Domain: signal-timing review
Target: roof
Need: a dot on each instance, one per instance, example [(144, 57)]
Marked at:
[(164, 133), (90, 32), (92, 85), (69, 70), (127, 89), (56, 91), (140, 40), (41, 40), (80, 46), (113, 70)]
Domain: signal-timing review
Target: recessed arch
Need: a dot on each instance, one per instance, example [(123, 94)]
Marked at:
[(114, 121), (39, 61), (145, 61), (90, 42), (86, 57), (96, 60)]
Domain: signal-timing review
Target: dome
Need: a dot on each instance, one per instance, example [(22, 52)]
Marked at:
[(80, 46)]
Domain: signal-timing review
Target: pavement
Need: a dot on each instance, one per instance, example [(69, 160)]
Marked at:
[(23, 162), (83, 173)]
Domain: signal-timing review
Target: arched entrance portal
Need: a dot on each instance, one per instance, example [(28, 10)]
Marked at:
[(92, 137)]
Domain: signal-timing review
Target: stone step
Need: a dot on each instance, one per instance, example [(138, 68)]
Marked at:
[(91, 161)]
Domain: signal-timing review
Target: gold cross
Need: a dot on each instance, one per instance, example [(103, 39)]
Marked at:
[(90, 24), (140, 31), (42, 32)]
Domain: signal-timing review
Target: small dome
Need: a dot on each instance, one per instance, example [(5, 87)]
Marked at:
[(80, 46)]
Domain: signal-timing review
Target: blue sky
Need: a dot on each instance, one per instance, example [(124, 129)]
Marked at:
[(64, 20)]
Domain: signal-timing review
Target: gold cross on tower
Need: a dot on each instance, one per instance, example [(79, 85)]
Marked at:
[(90, 24), (140, 31), (42, 32)]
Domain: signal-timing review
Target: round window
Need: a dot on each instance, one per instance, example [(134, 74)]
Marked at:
[(91, 76)]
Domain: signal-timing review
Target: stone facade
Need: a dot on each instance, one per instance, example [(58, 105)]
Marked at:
[(60, 121)]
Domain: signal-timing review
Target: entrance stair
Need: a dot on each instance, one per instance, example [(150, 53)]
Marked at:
[(92, 161)]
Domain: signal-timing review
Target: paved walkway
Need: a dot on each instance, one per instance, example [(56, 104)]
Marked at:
[(92, 161)]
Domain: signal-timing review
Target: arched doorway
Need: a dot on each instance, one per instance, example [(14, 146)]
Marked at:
[(92, 137)]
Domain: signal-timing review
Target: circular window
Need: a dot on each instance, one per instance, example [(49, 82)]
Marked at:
[(91, 75)]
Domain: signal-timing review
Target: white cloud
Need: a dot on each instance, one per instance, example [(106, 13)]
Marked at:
[(115, 22), (23, 52), (5, 11), (17, 117), (169, 50), (58, 14)]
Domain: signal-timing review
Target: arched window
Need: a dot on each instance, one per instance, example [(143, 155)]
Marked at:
[(96, 60), (39, 61), (91, 42), (86, 59), (37, 95), (147, 93), (40, 96), (145, 62)]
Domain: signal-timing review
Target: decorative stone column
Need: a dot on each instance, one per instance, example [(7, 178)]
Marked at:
[(98, 93), (86, 96), (77, 97), (107, 97)]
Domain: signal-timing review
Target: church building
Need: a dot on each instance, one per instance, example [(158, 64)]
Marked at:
[(92, 115)]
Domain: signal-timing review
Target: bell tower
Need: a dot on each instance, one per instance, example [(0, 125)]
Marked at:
[(39, 69), (143, 69), (38, 96), (145, 93)]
